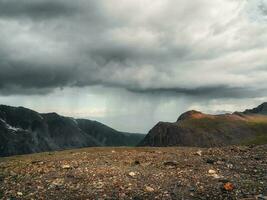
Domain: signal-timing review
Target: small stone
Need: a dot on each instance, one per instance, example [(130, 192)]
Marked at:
[(122, 195), (137, 162), (99, 185), (178, 184), (228, 186), (171, 164), (223, 180), (219, 162), (13, 173), (113, 151), (37, 162), (66, 166), (211, 171), (210, 161), (230, 166), (258, 158), (137, 198), (199, 153), (192, 189), (19, 193), (39, 187), (216, 176), (57, 183), (149, 189), (132, 174), (261, 197)]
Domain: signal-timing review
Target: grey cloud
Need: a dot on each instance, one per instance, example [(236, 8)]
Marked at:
[(123, 54), (38, 9), (11, 90), (31, 77), (205, 92), (263, 8), (160, 50), (103, 56)]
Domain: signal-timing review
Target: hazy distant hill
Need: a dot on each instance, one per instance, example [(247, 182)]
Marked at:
[(194, 128), (25, 131)]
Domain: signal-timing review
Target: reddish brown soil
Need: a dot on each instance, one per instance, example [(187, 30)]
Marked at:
[(137, 173)]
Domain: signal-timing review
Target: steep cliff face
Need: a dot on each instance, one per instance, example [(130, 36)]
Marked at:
[(194, 128), (25, 131)]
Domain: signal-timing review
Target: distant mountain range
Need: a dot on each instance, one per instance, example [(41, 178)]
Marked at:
[(194, 128), (24, 131)]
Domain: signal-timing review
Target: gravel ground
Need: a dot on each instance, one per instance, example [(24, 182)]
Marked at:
[(137, 173)]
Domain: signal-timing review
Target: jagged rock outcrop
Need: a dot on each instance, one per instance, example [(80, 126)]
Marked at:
[(194, 128)]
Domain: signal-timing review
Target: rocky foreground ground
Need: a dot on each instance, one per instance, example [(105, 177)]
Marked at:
[(137, 173)]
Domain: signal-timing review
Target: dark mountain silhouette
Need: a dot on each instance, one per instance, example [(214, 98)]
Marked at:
[(261, 109), (107, 136), (194, 128), (24, 131)]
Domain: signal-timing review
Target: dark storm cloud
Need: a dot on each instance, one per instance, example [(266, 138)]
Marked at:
[(28, 75), (38, 9), (111, 54), (148, 47), (210, 92), (263, 8)]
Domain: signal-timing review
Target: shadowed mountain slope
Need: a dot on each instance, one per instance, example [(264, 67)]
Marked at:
[(25, 131), (261, 109), (107, 136)]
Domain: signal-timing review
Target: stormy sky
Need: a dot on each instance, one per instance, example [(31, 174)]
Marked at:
[(132, 63)]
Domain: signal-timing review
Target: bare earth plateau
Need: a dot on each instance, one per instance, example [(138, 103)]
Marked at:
[(235, 172)]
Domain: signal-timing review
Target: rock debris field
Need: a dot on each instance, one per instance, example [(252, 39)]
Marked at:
[(236, 172)]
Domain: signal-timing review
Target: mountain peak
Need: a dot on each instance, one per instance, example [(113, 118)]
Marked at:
[(194, 128), (192, 114)]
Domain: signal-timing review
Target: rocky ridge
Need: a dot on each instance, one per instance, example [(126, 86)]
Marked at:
[(24, 131), (194, 128)]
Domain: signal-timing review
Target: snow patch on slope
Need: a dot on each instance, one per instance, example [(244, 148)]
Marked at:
[(74, 120), (9, 126)]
